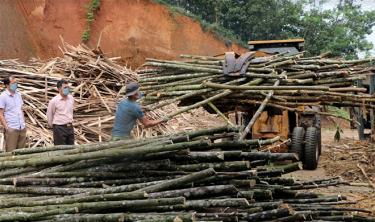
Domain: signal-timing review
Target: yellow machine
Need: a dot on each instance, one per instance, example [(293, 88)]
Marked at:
[(268, 126), (303, 129)]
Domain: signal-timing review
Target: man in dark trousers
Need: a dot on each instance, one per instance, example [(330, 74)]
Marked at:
[(128, 112), (60, 115)]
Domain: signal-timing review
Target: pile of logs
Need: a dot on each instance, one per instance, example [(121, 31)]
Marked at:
[(98, 83), (204, 175), (279, 81)]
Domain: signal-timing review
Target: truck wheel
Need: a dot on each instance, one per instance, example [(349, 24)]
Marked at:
[(297, 141), (311, 154)]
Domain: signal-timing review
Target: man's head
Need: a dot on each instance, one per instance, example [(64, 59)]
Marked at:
[(63, 87), (132, 91), (10, 83)]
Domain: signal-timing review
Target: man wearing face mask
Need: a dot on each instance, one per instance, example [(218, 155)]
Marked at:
[(11, 115), (60, 115), (128, 112)]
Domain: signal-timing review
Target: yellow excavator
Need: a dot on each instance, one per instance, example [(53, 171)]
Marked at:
[(303, 129)]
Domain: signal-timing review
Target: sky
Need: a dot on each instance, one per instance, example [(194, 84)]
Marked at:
[(366, 5)]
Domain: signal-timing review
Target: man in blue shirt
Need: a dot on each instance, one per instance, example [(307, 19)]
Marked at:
[(11, 115), (128, 112)]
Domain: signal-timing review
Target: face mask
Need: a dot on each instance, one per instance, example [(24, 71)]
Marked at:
[(140, 95), (66, 91), (13, 87)]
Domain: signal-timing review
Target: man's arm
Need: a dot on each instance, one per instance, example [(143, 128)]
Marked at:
[(2, 119), (50, 113), (2, 109), (150, 123)]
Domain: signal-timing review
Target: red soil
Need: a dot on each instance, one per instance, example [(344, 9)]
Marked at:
[(132, 29)]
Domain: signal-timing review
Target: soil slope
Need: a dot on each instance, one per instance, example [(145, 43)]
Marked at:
[(132, 29)]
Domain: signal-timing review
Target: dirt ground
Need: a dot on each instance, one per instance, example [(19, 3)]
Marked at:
[(343, 166)]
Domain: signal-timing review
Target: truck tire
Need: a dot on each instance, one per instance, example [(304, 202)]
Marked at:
[(311, 154), (298, 137), (318, 127)]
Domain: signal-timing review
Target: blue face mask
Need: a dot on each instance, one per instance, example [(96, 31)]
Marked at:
[(140, 95), (66, 91), (13, 87)]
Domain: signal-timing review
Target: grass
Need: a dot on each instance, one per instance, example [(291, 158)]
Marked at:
[(91, 9), (338, 111)]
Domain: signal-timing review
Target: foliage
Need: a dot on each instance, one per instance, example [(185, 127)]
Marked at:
[(90, 16), (341, 30), (85, 35), (95, 5), (225, 34)]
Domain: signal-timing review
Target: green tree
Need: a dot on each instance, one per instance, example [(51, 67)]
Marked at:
[(341, 30)]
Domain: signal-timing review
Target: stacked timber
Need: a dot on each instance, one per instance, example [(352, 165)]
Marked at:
[(279, 81), (204, 175), (98, 83)]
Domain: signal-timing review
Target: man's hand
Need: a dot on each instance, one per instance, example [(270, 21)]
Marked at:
[(165, 119), (150, 123)]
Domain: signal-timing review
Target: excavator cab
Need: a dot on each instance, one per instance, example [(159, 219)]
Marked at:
[(267, 47)]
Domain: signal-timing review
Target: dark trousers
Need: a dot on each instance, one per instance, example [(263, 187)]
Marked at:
[(63, 135)]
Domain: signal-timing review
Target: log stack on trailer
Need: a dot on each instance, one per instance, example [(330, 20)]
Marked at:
[(293, 80), (275, 95)]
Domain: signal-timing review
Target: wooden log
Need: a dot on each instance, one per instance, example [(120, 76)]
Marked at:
[(268, 156), (74, 199), (129, 153), (206, 203), (294, 217), (257, 113), (44, 211), (230, 87), (224, 166), (115, 217), (196, 192), (267, 215), (175, 183), (42, 190)]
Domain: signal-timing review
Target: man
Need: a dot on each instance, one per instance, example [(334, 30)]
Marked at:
[(60, 115), (11, 115), (128, 112)]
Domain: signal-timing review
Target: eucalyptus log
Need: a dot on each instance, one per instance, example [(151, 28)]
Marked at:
[(73, 199), (258, 112), (197, 192), (39, 212), (224, 166), (126, 217), (230, 202), (134, 152), (174, 183), (267, 215)]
